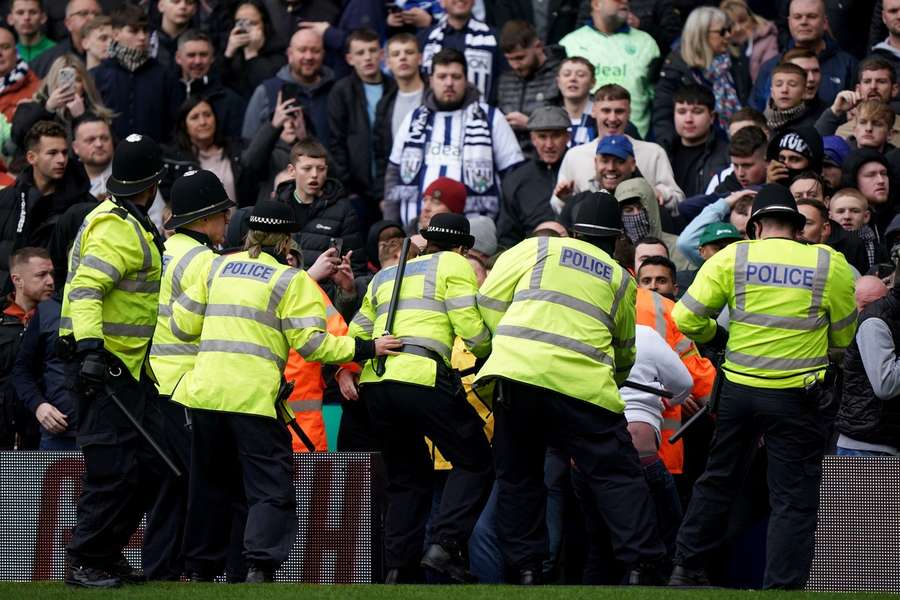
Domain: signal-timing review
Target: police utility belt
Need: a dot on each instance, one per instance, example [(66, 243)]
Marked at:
[(446, 379)]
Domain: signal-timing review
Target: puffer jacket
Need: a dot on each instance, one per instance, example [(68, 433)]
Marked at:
[(329, 216)]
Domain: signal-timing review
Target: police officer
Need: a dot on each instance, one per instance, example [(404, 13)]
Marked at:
[(107, 322), (419, 395), (200, 208), (562, 314), (246, 312), (789, 303)]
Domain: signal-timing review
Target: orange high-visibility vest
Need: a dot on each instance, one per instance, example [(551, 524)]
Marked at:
[(309, 386), (655, 311)]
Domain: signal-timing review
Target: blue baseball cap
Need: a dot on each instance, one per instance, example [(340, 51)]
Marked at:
[(616, 145)]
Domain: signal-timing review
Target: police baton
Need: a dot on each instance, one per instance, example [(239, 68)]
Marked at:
[(140, 428), (707, 408), (395, 300), (284, 392), (647, 389)]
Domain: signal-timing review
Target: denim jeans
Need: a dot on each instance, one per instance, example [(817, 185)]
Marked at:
[(854, 452), (665, 498), (56, 443)]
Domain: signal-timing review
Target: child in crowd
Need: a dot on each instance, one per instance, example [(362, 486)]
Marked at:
[(786, 107)]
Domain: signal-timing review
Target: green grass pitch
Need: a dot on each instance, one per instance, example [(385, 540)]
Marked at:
[(184, 591)]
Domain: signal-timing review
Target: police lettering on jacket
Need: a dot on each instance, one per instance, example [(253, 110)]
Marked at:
[(779, 275), (248, 270), (585, 262)]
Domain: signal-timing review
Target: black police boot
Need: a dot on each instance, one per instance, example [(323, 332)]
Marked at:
[(259, 575), (392, 577), (123, 570), (448, 558), (530, 577), (684, 577), (90, 577), (646, 574)]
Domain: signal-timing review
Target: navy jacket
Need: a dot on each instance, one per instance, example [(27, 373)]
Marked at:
[(39, 375)]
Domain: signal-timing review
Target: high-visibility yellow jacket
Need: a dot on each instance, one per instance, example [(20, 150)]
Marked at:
[(562, 315), (185, 262), (112, 288), (248, 312), (437, 303), (788, 303)]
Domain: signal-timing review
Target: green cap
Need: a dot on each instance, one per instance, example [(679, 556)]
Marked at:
[(719, 231)]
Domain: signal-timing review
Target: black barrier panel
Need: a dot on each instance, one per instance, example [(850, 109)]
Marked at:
[(338, 517), (858, 534)]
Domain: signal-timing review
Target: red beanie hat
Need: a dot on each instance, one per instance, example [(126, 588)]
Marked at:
[(449, 192)]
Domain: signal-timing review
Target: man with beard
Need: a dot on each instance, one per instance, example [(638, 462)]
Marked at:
[(452, 134)]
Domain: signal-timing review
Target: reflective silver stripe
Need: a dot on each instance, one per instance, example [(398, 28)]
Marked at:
[(65, 323), (460, 302), (216, 263), (104, 267), (362, 321), (280, 287), (670, 424), (243, 312), (683, 345), (624, 344), (76, 252), (303, 323), (846, 321), (771, 363), (568, 301), (181, 266), (695, 306), (300, 406), (84, 294), (620, 294), (312, 344), (413, 304), (429, 287), (140, 287), (191, 305), (181, 335), (553, 339), (128, 330), (764, 320), (233, 347), (330, 311), (481, 337), (492, 303), (537, 272), (659, 319), (820, 279), (145, 247), (164, 310), (740, 277), (173, 350), (429, 343)]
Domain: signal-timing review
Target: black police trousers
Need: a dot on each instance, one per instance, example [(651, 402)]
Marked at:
[(403, 415), (597, 441), (121, 470), (161, 556), (237, 458), (795, 434)]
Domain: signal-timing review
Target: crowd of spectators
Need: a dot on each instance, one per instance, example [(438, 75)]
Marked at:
[(368, 117)]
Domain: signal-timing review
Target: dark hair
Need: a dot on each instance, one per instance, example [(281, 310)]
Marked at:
[(43, 129), (517, 35), (450, 56), (750, 114), (88, 117), (659, 261), (876, 63), (695, 94), (263, 13), (23, 255), (403, 38), (195, 35), (747, 141), (310, 147), (798, 53), (789, 68), (130, 15), (182, 139), (818, 205), (581, 61), (363, 34), (743, 205), (612, 91), (809, 175), (652, 241)]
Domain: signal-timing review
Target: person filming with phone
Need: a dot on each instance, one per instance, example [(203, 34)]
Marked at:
[(328, 223)]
